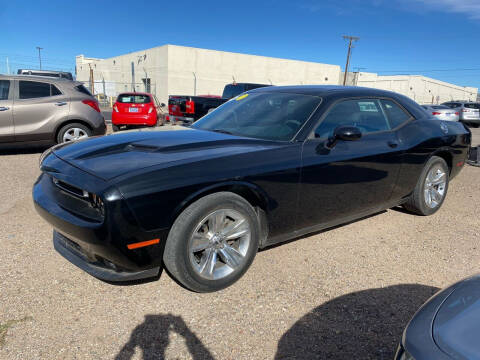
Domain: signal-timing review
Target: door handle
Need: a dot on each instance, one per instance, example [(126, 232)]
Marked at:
[(392, 144), (4, 108), (61, 103)]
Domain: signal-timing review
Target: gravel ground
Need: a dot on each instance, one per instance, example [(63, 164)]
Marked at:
[(340, 294)]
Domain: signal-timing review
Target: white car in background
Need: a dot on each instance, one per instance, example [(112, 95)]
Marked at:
[(442, 112)]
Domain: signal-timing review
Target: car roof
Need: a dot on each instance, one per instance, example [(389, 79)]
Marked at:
[(324, 90), (37, 77)]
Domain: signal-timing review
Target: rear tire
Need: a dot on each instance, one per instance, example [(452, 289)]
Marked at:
[(213, 242), (115, 128), (73, 132), (431, 188)]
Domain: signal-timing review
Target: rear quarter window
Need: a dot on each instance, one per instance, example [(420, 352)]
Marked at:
[(83, 90)]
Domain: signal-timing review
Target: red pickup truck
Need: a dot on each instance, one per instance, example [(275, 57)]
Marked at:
[(188, 109)]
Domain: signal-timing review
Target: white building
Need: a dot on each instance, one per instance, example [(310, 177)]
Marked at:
[(422, 89), (178, 70)]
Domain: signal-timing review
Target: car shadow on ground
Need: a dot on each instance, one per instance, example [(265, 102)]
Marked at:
[(361, 325), (152, 338), (19, 150)]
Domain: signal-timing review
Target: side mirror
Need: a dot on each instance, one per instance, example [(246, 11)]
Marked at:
[(344, 133)]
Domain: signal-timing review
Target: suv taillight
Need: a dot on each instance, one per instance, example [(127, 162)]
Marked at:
[(92, 103), (115, 108), (435, 113), (190, 107)]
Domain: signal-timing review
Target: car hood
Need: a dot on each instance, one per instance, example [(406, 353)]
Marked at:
[(114, 155), (457, 323)]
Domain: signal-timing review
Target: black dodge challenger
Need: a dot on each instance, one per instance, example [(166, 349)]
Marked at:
[(269, 165)]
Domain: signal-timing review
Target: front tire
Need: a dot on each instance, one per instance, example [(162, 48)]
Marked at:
[(431, 188), (213, 242)]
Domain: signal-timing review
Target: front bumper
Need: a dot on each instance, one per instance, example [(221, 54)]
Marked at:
[(96, 244), (103, 270)]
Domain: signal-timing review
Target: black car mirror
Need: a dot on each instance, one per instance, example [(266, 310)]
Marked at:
[(345, 133)]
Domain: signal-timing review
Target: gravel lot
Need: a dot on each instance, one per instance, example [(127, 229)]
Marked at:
[(341, 294)]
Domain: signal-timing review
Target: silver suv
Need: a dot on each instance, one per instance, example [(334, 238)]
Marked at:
[(46, 110), (469, 111)]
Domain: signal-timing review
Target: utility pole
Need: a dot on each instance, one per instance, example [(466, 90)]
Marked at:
[(133, 76), (92, 86), (350, 45), (40, 56)]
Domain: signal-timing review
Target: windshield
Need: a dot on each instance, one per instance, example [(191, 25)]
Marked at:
[(269, 116)]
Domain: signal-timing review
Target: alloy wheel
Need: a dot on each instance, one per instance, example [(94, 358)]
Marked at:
[(435, 185), (219, 244)]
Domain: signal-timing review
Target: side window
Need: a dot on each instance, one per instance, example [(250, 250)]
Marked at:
[(33, 89), (4, 89), (365, 114), (395, 114), (55, 90)]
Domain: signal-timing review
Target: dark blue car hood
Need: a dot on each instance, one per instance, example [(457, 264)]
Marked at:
[(456, 328), (118, 154)]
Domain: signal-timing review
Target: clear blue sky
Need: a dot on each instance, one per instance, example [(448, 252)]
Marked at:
[(396, 36)]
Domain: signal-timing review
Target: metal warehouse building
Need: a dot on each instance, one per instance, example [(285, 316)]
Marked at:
[(422, 89), (178, 70)]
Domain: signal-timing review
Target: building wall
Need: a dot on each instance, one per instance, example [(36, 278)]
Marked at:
[(179, 70), (214, 69), (173, 69), (423, 90)]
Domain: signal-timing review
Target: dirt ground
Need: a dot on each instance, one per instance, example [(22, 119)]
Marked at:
[(341, 294)]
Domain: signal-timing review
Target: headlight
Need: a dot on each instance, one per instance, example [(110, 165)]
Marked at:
[(44, 155), (97, 203), (47, 152)]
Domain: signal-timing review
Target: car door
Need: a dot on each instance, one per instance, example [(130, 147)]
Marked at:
[(353, 177), (7, 133), (38, 107)]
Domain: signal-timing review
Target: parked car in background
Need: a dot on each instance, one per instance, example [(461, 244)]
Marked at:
[(446, 327), (469, 111), (135, 109), (49, 73), (271, 165), (188, 109), (442, 112), (46, 110)]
